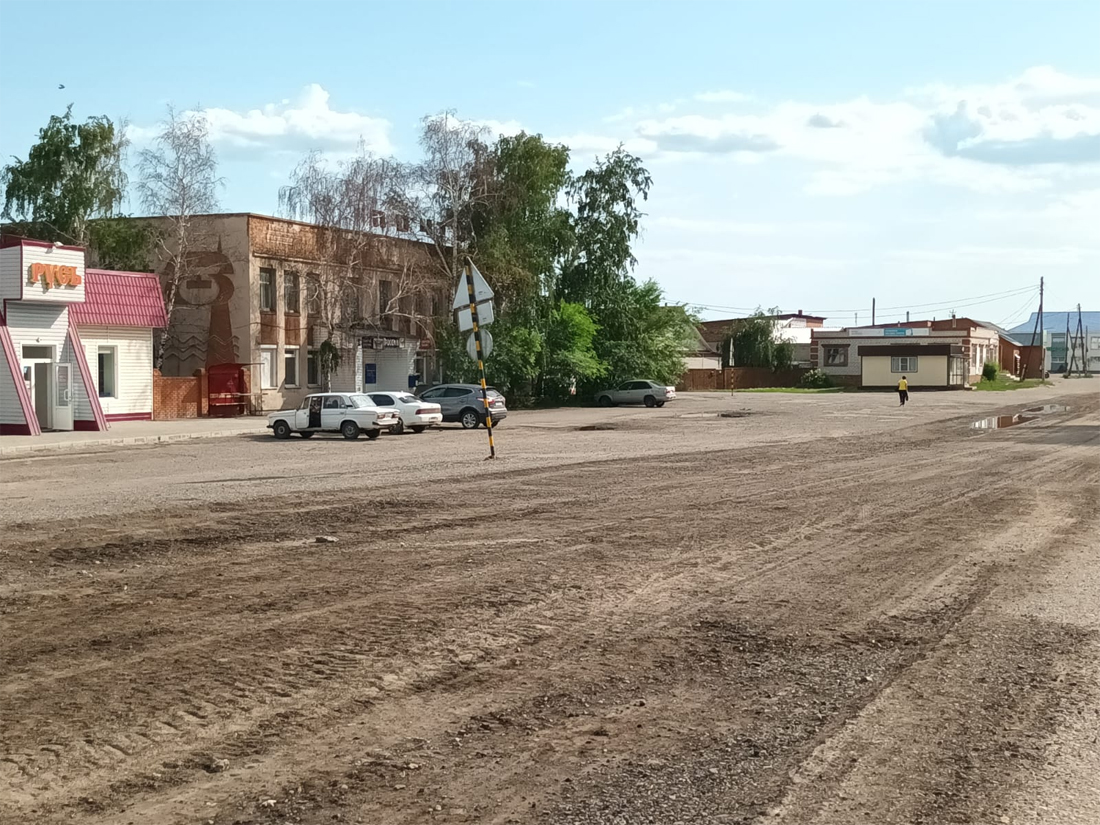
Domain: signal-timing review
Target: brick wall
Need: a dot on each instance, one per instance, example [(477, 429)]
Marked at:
[(177, 397)]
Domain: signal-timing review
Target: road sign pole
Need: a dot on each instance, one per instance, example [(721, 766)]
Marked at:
[(468, 270)]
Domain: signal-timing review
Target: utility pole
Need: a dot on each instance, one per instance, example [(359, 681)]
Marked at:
[(1078, 336), (872, 312), (907, 316), (1038, 329)]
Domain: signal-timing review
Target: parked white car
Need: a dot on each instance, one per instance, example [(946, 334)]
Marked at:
[(415, 414), (649, 393), (347, 413)]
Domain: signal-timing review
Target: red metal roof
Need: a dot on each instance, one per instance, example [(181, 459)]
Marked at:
[(121, 299)]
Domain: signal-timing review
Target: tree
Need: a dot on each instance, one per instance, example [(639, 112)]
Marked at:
[(363, 255), (178, 180), (569, 352), (756, 342), (443, 193), (644, 338), (606, 223), (72, 176), (524, 234)]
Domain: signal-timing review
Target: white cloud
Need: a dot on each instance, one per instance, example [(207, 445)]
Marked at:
[(1007, 138), (1041, 117), (305, 123)]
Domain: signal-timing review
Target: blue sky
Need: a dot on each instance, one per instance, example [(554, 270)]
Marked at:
[(805, 155)]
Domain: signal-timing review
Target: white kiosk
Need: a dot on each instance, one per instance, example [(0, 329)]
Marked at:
[(45, 382)]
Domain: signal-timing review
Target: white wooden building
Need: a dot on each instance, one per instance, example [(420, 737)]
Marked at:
[(77, 343)]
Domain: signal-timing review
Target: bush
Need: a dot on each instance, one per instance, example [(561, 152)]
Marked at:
[(990, 371), (815, 380)]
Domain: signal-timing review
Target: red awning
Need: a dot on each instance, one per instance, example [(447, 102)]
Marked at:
[(121, 299)]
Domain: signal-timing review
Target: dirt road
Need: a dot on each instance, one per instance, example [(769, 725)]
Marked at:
[(817, 612)]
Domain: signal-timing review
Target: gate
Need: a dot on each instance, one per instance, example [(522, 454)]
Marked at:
[(226, 391)]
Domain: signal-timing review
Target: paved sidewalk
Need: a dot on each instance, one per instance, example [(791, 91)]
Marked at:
[(132, 432)]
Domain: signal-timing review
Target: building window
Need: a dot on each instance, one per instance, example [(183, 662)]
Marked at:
[(903, 363), (313, 368), (291, 296), (836, 356), (269, 378), (108, 372), (267, 290), (384, 296), (377, 219), (290, 362), (1094, 342), (313, 295)]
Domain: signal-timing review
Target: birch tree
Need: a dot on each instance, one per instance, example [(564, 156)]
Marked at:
[(365, 267), (178, 179)]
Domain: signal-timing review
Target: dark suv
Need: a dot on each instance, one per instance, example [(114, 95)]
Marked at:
[(462, 403)]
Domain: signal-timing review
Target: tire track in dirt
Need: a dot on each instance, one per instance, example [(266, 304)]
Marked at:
[(516, 613)]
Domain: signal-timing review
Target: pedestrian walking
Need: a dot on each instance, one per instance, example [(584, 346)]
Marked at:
[(903, 390)]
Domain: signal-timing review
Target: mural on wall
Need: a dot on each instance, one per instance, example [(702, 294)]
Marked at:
[(202, 326)]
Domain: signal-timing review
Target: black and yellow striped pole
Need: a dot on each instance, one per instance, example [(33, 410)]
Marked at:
[(468, 269)]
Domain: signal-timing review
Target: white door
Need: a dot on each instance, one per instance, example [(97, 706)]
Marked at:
[(62, 396)]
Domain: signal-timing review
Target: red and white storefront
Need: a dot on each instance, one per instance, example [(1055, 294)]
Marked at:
[(77, 343)]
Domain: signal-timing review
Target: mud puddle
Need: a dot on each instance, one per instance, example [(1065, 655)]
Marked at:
[(1003, 422)]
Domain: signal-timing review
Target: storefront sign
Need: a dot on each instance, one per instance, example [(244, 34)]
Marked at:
[(896, 332), (54, 275), (381, 343)]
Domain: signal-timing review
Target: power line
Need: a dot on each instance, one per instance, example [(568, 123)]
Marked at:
[(1024, 308), (932, 306)]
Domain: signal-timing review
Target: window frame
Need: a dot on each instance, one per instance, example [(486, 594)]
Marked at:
[(112, 350), (292, 277), (313, 361), (270, 291), (841, 349), (313, 296), (296, 354), (911, 364), (269, 371)]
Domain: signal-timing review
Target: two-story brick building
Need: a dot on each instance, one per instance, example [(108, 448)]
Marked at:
[(266, 292)]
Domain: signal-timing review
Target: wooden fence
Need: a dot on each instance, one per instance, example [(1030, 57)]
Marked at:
[(739, 378)]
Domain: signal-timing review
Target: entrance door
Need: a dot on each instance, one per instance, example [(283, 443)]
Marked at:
[(62, 396)]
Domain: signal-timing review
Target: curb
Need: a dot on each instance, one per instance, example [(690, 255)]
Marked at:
[(124, 441)]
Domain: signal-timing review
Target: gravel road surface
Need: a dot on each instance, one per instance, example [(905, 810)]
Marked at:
[(736, 609)]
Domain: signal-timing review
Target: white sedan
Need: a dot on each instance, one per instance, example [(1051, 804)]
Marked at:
[(415, 414), (347, 413)]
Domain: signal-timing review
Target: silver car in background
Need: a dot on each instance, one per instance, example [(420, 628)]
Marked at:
[(462, 403), (649, 393)]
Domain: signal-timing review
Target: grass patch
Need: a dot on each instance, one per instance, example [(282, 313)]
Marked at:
[(1001, 384), (799, 390)]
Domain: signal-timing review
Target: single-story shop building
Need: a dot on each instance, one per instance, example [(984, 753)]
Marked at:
[(945, 354), (77, 342)]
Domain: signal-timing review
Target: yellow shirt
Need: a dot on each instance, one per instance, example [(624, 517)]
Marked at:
[(903, 384)]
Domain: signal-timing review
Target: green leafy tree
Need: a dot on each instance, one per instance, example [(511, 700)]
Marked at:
[(70, 189), (645, 337), (755, 342), (606, 223), (122, 243), (569, 354), (72, 176)]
